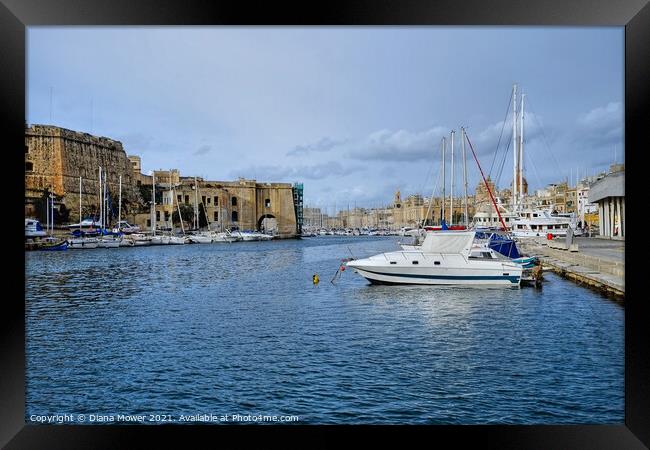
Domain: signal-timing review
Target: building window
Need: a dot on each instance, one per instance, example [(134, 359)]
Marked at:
[(235, 216), (267, 203), (187, 199), (216, 216), (26, 149), (216, 201), (29, 166), (149, 222), (179, 198), (139, 182), (157, 216), (234, 201), (166, 216), (209, 200)]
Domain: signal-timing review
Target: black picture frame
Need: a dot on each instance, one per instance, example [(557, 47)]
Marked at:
[(15, 15)]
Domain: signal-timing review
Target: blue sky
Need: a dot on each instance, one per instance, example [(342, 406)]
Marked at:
[(352, 112)]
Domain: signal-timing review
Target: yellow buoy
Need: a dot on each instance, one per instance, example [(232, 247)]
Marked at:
[(315, 278)]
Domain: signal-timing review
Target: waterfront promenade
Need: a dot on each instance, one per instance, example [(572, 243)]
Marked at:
[(599, 263)]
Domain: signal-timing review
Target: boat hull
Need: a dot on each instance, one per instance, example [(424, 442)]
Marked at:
[(200, 239), (83, 243), (378, 276)]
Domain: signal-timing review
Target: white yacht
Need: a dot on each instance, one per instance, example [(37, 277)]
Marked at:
[(83, 242), (224, 237), (200, 238), (33, 228), (109, 242), (445, 258)]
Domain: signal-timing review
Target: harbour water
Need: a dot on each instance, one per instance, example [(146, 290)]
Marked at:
[(240, 329)]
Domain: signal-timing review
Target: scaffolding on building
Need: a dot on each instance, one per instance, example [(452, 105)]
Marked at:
[(298, 205)]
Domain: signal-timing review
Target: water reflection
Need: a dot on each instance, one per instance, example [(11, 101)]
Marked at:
[(241, 328)]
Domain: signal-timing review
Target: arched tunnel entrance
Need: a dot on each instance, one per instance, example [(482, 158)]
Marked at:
[(267, 223)]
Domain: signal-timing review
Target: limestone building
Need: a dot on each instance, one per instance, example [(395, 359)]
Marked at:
[(55, 161)]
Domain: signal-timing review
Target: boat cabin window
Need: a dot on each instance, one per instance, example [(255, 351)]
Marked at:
[(393, 262), (534, 227), (437, 263), (415, 262), (486, 254)]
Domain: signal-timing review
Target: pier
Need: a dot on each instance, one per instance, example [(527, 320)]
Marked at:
[(593, 262)]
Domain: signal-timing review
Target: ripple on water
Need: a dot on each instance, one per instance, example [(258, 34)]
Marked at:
[(240, 328)]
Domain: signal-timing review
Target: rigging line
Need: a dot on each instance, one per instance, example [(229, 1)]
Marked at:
[(496, 150), (503, 162), (433, 193), (426, 179), (487, 186), (557, 165), (532, 164)]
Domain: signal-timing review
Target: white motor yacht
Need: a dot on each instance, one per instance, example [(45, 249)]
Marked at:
[(445, 258)]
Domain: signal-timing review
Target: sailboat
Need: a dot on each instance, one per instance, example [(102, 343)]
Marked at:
[(107, 239), (81, 240), (198, 237), (174, 239)]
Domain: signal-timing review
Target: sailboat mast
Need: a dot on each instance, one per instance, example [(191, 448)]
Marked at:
[(514, 146), (153, 203), (105, 204), (47, 212), (119, 208), (521, 151), (79, 206), (451, 195), (444, 143), (196, 205), (101, 204), (462, 145)]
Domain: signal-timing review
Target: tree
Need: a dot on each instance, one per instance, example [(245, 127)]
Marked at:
[(63, 215), (187, 212)]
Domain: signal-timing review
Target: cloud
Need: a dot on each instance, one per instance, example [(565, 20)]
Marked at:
[(203, 150), (400, 145), (601, 127), (301, 172), (325, 144)]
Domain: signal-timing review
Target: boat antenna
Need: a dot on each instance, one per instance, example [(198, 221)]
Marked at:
[(487, 186), (451, 195), (442, 216), (515, 156), (462, 144)]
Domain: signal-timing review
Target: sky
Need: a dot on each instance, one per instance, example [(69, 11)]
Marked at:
[(354, 113)]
